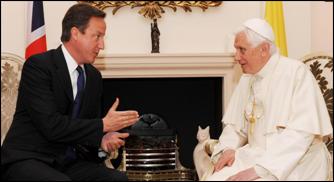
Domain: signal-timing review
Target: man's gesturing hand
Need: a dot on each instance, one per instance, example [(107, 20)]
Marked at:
[(116, 120)]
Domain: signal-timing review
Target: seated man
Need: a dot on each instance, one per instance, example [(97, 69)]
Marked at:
[(277, 118), (57, 129)]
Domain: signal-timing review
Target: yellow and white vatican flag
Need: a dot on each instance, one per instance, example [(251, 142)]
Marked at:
[(275, 17)]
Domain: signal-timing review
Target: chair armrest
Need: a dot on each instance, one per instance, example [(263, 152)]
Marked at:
[(329, 145), (112, 155), (209, 146), (203, 164)]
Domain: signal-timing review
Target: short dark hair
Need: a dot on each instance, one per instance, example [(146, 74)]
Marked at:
[(78, 16)]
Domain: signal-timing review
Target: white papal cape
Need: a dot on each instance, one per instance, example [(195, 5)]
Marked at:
[(292, 118)]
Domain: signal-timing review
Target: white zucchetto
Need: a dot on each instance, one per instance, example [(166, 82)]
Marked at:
[(261, 27)]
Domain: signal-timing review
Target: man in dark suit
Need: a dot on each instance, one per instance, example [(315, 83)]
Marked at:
[(57, 129)]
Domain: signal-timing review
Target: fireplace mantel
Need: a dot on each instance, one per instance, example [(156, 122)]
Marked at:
[(172, 65)]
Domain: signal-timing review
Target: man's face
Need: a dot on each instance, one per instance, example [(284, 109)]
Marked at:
[(91, 41), (248, 57)]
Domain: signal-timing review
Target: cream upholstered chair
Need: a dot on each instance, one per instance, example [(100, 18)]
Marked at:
[(11, 67), (321, 65)]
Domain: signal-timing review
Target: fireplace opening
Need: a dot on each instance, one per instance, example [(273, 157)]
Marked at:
[(183, 103)]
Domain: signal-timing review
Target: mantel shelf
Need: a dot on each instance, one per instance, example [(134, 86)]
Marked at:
[(164, 65)]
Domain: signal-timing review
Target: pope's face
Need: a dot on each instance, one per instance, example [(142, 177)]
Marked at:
[(247, 56)]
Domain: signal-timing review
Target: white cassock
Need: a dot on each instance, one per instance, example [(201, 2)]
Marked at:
[(291, 119)]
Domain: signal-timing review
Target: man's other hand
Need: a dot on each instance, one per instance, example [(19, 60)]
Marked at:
[(111, 141)]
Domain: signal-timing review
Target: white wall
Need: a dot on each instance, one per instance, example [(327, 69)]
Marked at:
[(322, 27), (181, 32), (298, 28)]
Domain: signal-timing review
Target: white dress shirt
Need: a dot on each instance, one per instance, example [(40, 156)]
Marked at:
[(72, 66)]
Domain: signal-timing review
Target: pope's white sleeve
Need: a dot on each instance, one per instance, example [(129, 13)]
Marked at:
[(229, 139), (283, 151), (264, 173)]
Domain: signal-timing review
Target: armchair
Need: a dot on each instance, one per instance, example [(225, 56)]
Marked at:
[(321, 65), (11, 67)]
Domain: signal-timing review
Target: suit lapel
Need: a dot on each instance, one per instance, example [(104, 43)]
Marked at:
[(63, 74)]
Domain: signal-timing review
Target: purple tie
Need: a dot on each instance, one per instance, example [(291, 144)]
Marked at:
[(78, 98), (70, 152)]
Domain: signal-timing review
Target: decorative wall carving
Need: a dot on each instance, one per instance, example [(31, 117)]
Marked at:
[(154, 9)]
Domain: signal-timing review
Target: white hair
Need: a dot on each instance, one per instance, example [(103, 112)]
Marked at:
[(256, 39)]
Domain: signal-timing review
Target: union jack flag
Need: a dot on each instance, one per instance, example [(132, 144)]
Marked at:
[(36, 38)]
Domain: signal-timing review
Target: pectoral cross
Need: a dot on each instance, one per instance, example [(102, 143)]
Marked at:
[(252, 118)]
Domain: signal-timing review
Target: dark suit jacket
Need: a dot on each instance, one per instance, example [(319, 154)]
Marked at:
[(42, 127)]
